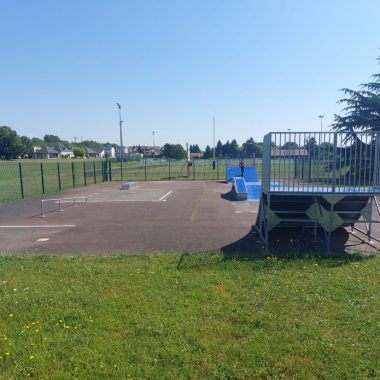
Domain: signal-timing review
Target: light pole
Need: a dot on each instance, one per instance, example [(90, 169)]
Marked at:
[(321, 117), (154, 145), (121, 134), (213, 142)]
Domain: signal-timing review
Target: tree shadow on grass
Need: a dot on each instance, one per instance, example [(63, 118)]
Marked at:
[(285, 244), (294, 243)]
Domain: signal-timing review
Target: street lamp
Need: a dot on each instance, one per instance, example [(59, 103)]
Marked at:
[(213, 143), (154, 145), (321, 117), (121, 134)]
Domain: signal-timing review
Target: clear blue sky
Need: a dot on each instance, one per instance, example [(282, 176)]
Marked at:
[(257, 65)]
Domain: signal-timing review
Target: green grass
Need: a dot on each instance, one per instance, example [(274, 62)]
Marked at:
[(10, 184), (189, 316)]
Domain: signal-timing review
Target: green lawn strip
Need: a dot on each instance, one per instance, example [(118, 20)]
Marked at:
[(191, 316)]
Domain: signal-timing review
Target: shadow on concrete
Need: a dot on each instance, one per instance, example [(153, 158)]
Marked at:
[(228, 196)]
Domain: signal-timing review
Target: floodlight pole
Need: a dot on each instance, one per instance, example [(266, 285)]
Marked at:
[(321, 117), (213, 141), (121, 134), (154, 145)]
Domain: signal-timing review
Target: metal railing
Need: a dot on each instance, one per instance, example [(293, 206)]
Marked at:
[(60, 201), (323, 162)]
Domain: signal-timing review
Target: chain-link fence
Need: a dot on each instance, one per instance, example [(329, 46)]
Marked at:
[(29, 179), (167, 169)]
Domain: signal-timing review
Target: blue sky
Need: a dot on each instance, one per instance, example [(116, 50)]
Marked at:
[(259, 66)]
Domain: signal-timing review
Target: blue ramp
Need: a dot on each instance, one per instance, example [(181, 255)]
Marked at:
[(250, 174), (239, 189), (246, 190), (253, 190)]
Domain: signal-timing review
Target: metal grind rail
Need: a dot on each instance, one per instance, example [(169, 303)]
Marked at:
[(61, 201)]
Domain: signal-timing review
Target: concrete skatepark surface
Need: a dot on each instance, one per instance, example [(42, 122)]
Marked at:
[(162, 217)]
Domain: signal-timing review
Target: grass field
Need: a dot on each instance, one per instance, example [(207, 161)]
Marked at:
[(10, 184), (189, 316)]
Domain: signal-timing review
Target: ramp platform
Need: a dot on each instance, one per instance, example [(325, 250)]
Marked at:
[(325, 181)]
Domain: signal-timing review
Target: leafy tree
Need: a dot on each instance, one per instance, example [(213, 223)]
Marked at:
[(91, 143), (38, 142), (175, 151), (10, 143), (26, 146), (251, 147), (51, 140), (234, 147), (290, 145), (208, 152), (79, 151), (219, 149), (362, 111), (195, 149), (226, 148)]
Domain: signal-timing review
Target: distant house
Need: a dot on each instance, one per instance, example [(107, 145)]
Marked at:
[(109, 151), (117, 151), (196, 155), (151, 150), (93, 152), (288, 153), (63, 151), (46, 152)]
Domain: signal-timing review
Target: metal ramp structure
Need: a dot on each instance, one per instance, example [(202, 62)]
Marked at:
[(319, 182)]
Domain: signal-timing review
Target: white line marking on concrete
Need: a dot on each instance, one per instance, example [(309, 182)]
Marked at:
[(237, 212), (43, 239), (166, 195), (253, 211), (42, 226), (126, 200)]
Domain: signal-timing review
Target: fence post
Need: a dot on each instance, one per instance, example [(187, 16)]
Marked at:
[(72, 173), (42, 178), (335, 148), (21, 181), (217, 169), (93, 162), (110, 170), (145, 169), (84, 173), (121, 170), (169, 168), (59, 177)]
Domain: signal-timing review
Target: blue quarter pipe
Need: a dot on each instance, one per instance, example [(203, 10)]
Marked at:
[(250, 174)]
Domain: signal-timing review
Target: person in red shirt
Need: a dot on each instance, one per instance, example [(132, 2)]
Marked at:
[(241, 166)]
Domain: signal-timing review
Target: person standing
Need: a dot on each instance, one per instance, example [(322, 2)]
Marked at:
[(241, 166)]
